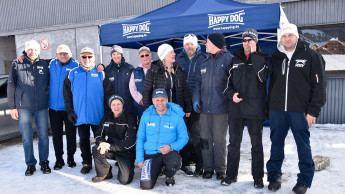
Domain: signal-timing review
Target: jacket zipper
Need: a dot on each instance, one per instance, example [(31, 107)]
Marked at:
[(159, 130), (287, 84)]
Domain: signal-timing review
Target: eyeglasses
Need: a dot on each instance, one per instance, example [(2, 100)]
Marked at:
[(142, 56), (84, 57), (246, 40), (193, 35)]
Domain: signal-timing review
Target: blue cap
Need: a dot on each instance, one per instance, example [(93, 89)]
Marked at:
[(159, 92)]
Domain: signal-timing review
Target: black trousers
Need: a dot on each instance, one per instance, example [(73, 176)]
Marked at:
[(192, 151), (125, 161), (57, 119), (152, 167), (236, 132), (84, 141)]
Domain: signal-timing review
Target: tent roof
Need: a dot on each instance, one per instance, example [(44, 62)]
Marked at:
[(200, 17)]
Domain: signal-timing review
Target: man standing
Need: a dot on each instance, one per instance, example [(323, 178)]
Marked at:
[(191, 58), (85, 91), (211, 102), (27, 93), (297, 93), (59, 69), (162, 133), (246, 92)]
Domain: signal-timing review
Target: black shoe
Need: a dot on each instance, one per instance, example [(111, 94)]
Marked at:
[(274, 185), (300, 188), (97, 179), (45, 167), (187, 171), (86, 168), (59, 165), (198, 172), (30, 170), (220, 175), (71, 164), (170, 181), (258, 183), (207, 175), (227, 181)]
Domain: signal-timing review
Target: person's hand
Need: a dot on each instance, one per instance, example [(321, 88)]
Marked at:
[(141, 102), (19, 59), (72, 117), (103, 147), (165, 149), (252, 45), (14, 114), (236, 99), (100, 68), (196, 107), (188, 114), (311, 120), (140, 164)]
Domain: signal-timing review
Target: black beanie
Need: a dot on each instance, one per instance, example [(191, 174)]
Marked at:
[(217, 39)]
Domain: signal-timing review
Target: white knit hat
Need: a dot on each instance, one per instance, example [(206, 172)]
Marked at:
[(163, 50), (190, 38), (32, 44), (288, 28)]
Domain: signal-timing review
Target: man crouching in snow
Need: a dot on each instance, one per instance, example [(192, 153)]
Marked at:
[(162, 133)]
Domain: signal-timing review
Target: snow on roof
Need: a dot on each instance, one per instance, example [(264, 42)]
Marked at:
[(334, 62)]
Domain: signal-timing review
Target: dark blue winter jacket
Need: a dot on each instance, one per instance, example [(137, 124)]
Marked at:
[(156, 131), (28, 85), (211, 82), (119, 76), (58, 73), (191, 67), (139, 79)]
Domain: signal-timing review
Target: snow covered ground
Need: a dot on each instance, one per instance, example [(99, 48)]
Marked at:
[(326, 140)]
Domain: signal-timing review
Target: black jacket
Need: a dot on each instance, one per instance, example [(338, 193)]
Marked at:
[(304, 77), (120, 133), (155, 78), (248, 78)]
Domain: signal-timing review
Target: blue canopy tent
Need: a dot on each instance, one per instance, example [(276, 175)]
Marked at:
[(169, 24)]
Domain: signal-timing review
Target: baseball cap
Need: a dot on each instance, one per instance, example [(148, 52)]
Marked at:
[(159, 92)]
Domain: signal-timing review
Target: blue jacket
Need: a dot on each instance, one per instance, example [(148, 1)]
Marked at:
[(211, 81), (191, 67), (119, 78), (139, 78), (58, 73), (156, 131), (28, 85), (85, 94)]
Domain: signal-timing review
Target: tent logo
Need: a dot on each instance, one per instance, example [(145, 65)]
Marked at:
[(225, 19), (140, 29)]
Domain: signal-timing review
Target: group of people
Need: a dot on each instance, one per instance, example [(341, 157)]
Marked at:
[(164, 115)]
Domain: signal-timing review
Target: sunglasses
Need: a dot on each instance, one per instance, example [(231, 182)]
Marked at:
[(142, 56), (84, 57), (246, 40), (189, 35)]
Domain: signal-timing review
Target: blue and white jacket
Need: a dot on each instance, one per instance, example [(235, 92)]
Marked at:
[(156, 131), (58, 73)]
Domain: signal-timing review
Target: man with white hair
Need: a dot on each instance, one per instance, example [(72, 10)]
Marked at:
[(59, 69), (297, 93), (27, 94), (191, 58)]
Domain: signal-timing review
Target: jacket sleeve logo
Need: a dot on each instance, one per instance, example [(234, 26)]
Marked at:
[(300, 62), (202, 71)]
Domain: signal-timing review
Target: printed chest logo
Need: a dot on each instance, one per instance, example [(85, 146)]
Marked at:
[(40, 69), (151, 124), (139, 30), (202, 71), (300, 62), (138, 80), (226, 21), (111, 79), (168, 125), (94, 75)]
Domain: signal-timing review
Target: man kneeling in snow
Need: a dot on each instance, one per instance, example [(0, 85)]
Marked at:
[(162, 133)]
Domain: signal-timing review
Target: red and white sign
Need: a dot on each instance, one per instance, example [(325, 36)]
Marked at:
[(44, 44)]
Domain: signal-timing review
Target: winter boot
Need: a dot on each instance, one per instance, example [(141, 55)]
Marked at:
[(258, 183), (300, 188), (45, 167), (227, 181), (97, 179), (220, 175), (30, 170), (170, 181), (274, 185), (187, 171), (207, 175), (86, 168)]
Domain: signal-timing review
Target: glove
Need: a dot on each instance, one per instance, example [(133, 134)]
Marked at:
[(103, 147), (72, 117), (196, 107)]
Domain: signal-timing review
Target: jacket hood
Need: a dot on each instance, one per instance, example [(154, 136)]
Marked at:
[(172, 107)]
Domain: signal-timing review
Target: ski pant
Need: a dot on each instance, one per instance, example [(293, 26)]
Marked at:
[(125, 161), (84, 141), (193, 146), (57, 119), (280, 122), (235, 138), (152, 168), (213, 129)]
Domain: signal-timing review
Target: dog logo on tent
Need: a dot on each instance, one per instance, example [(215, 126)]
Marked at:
[(140, 29), (235, 18)]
